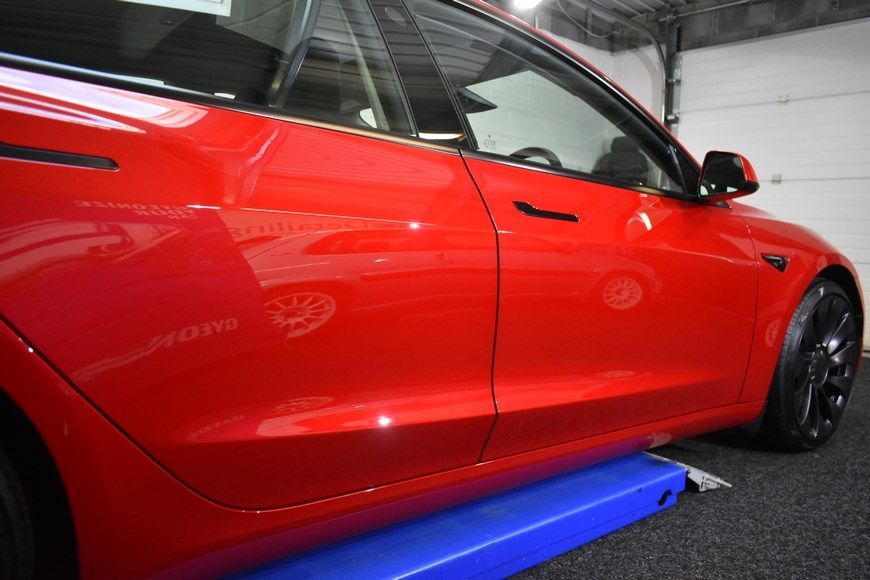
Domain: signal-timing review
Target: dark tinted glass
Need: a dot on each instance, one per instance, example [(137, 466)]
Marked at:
[(323, 59), (691, 174), (434, 112), (524, 102), (723, 173)]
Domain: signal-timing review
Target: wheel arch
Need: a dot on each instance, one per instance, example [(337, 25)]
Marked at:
[(54, 534), (778, 296), (842, 276)]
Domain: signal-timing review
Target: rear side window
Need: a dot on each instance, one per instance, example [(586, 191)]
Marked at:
[(321, 59)]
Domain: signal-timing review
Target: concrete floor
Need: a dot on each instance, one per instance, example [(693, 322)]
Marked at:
[(789, 515)]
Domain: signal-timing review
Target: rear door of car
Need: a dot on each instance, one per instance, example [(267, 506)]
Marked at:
[(282, 290), (623, 300)]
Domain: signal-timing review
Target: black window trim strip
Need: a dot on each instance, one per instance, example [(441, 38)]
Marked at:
[(406, 101), (578, 175), (403, 93), (181, 94), (469, 141), (582, 68), (9, 151)]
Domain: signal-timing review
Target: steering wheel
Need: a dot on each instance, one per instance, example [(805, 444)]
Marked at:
[(527, 152)]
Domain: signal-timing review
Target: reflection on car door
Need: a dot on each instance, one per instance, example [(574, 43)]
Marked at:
[(640, 311), (277, 309), (621, 302)]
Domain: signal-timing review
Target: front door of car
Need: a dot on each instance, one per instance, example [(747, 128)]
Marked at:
[(622, 300), (282, 294)]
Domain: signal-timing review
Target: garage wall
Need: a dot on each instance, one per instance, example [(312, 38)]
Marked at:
[(636, 71), (640, 73), (600, 59), (798, 106)]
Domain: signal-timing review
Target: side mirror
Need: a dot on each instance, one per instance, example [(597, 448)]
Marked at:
[(726, 176)]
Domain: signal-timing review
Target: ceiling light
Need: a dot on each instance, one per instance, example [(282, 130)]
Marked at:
[(526, 5)]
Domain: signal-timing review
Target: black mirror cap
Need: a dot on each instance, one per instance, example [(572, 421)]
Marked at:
[(726, 175)]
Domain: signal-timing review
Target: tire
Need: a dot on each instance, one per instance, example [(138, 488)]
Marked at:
[(16, 531), (815, 371)]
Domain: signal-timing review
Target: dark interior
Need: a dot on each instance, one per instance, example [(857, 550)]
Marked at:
[(199, 52)]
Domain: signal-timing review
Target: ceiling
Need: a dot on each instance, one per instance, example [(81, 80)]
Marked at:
[(632, 8), (700, 22)]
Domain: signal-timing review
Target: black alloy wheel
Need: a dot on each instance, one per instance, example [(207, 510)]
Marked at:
[(816, 370)]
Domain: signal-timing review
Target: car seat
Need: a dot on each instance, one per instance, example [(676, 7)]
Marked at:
[(625, 162)]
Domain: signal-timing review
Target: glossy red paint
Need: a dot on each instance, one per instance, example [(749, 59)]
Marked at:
[(779, 292), (134, 519), (260, 335), (641, 310), (747, 168), (267, 296)]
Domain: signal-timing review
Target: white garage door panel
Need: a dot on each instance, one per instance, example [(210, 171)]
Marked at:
[(848, 227), (788, 134), (818, 141), (742, 91), (795, 207), (797, 50), (809, 63), (801, 196)]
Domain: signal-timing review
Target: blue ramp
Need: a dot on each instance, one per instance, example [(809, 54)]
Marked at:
[(502, 534)]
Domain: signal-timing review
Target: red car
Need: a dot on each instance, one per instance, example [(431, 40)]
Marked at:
[(277, 272)]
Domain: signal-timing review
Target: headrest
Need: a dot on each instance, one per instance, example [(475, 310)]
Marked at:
[(623, 145)]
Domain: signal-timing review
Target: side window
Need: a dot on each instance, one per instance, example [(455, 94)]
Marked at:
[(322, 59), (523, 102)]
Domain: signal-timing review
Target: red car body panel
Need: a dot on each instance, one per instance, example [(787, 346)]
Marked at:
[(135, 519), (780, 292), (641, 310), (260, 334), (175, 284)]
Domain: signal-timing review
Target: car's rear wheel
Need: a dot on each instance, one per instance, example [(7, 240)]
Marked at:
[(815, 371), (16, 532)]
